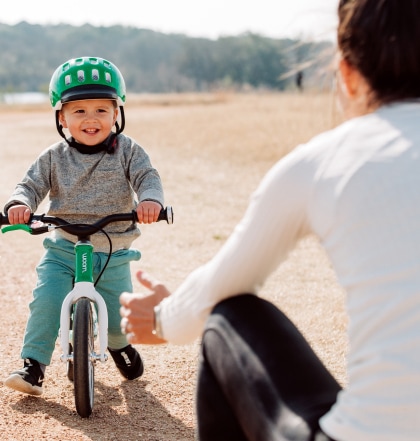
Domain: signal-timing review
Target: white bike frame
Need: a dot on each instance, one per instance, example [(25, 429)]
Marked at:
[(84, 287)]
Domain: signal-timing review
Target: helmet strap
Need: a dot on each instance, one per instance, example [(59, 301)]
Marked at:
[(109, 145), (59, 126), (122, 116)]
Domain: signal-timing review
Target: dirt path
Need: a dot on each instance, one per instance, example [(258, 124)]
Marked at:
[(211, 152)]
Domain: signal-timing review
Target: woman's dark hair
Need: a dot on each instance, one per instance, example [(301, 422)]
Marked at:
[(381, 39)]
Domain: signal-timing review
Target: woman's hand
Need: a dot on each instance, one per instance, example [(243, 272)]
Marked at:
[(137, 311)]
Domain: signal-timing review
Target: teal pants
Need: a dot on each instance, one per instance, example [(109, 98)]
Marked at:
[(55, 280)]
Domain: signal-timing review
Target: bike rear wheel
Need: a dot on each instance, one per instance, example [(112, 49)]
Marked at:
[(83, 361)]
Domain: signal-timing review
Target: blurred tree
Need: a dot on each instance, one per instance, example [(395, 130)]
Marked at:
[(150, 61)]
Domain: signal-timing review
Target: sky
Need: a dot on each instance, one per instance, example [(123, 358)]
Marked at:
[(302, 19)]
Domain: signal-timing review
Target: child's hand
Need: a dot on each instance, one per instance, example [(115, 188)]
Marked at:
[(19, 214), (148, 212)]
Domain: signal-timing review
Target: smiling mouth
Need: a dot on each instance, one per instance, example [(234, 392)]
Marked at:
[(91, 131)]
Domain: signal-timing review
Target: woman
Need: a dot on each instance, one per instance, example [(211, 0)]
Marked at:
[(357, 188)]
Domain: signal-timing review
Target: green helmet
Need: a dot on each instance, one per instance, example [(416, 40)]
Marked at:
[(86, 78)]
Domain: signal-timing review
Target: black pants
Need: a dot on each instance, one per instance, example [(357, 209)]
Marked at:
[(259, 380)]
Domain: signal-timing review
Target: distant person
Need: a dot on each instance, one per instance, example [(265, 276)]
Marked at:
[(357, 188), (93, 173), (299, 81)]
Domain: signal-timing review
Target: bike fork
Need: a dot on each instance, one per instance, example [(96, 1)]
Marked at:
[(84, 287)]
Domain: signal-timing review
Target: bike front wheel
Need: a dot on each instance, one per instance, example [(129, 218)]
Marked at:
[(83, 357)]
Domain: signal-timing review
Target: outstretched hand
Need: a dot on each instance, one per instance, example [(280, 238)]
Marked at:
[(137, 311)]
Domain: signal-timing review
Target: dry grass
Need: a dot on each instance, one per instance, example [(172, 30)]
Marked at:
[(211, 151)]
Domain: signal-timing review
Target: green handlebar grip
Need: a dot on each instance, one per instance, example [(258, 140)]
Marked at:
[(23, 227)]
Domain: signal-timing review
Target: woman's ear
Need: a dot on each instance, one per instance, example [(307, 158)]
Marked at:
[(352, 80), (347, 77), (354, 93)]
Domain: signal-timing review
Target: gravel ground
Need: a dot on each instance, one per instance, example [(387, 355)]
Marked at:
[(211, 151)]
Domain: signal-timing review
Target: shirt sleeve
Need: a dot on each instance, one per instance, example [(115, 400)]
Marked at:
[(34, 186), (144, 178), (275, 220)]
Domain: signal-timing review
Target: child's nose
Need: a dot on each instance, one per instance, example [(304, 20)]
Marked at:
[(90, 115)]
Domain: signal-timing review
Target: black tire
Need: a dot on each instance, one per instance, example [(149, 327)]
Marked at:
[(83, 365)]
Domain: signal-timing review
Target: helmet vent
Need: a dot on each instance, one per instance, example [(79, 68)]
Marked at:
[(86, 78), (80, 76)]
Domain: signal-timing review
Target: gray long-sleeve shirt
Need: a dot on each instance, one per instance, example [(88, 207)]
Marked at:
[(83, 188)]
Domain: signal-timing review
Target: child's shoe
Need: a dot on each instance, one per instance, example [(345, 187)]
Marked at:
[(128, 362), (28, 380)]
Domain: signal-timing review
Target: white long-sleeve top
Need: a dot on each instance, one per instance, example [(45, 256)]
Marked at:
[(357, 188)]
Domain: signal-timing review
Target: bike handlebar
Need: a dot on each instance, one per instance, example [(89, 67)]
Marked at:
[(80, 229)]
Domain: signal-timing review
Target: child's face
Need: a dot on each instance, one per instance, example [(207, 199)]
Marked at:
[(89, 121)]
